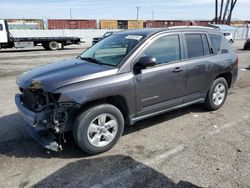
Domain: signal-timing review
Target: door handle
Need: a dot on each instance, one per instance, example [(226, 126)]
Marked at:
[(178, 69)]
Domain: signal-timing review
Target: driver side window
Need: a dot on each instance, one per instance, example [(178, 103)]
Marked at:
[(165, 49)]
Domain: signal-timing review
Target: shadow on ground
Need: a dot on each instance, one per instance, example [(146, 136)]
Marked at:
[(18, 143), (110, 171)]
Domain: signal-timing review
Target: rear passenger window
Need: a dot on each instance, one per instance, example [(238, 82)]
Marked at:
[(206, 49), (165, 49), (194, 45), (1, 27), (216, 43)]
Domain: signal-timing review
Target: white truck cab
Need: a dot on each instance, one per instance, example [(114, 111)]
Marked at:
[(48, 42), (3, 32)]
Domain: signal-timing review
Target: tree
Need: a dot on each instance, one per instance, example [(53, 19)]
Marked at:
[(225, 13), (231, 11), (221, 8)]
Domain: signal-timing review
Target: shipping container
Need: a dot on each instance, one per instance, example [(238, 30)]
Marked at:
[(71, 24), (239, 23), (155, 23), (183, 23), (108, 24), (202, 22), (173, 23), (122, 24), (25, 23), (135, 24)]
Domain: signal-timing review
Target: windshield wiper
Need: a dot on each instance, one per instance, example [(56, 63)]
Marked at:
[(94, 60), (91, 59)]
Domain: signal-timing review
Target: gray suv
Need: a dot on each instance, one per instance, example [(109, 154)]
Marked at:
[(124, 78)]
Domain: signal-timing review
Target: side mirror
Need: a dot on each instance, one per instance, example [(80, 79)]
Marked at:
[(146, 61)]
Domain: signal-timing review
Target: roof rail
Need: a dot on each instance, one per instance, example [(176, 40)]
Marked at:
[(198, 27)]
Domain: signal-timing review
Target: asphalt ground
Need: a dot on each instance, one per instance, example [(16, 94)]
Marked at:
[(189, 147)]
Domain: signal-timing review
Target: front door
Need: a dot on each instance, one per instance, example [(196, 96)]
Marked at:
[(163, 85)]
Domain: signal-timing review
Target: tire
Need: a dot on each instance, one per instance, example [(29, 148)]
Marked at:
[(217, 94), (53, 45), (86, 134), (45, 46), (231, 41)]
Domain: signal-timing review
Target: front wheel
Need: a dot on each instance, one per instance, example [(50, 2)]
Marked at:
[(217, 94), (98, 129)]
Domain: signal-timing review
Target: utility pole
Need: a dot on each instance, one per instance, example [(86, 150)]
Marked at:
[(137, 8), (153, 15), (216, 11), (70, 13)]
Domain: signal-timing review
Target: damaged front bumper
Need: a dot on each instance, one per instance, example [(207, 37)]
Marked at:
[(42, 134)]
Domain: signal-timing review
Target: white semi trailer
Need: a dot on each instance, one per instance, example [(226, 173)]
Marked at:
[(49, 43)]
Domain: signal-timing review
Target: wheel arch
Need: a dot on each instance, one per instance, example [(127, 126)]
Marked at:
[(117, 100), (227, 76)]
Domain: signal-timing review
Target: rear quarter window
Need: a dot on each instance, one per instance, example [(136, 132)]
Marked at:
[(1, 27), (206, 48), (216, 43)]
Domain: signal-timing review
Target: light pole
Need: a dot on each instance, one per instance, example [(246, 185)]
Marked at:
[(70, 13), (137, 8), (153, 15)]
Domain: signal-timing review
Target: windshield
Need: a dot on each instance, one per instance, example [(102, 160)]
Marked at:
[(111, 50)]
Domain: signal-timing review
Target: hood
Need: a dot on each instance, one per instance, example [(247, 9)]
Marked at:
[(56, 75)]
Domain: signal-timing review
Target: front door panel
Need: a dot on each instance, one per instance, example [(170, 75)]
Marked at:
[(160, 87)]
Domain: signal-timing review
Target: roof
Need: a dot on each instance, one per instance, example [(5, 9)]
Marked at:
[(150, 31), (143, 32)]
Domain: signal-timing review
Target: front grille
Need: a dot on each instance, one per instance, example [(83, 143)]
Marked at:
[(33, 99)]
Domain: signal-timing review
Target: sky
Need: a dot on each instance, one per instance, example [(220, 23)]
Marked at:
[(117, 9)]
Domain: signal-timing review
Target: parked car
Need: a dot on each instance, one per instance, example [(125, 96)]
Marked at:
[(229, 37), (97, 39), (247, 44), (124, 78)]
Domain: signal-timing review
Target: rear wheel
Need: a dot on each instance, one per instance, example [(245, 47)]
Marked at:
[(53, 45), (217, 94), (98, 129)]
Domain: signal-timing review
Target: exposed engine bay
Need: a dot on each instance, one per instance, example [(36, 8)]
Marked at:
[(51, 117)]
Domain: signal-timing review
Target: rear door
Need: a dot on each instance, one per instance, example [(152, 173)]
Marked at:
[(198, 65)]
